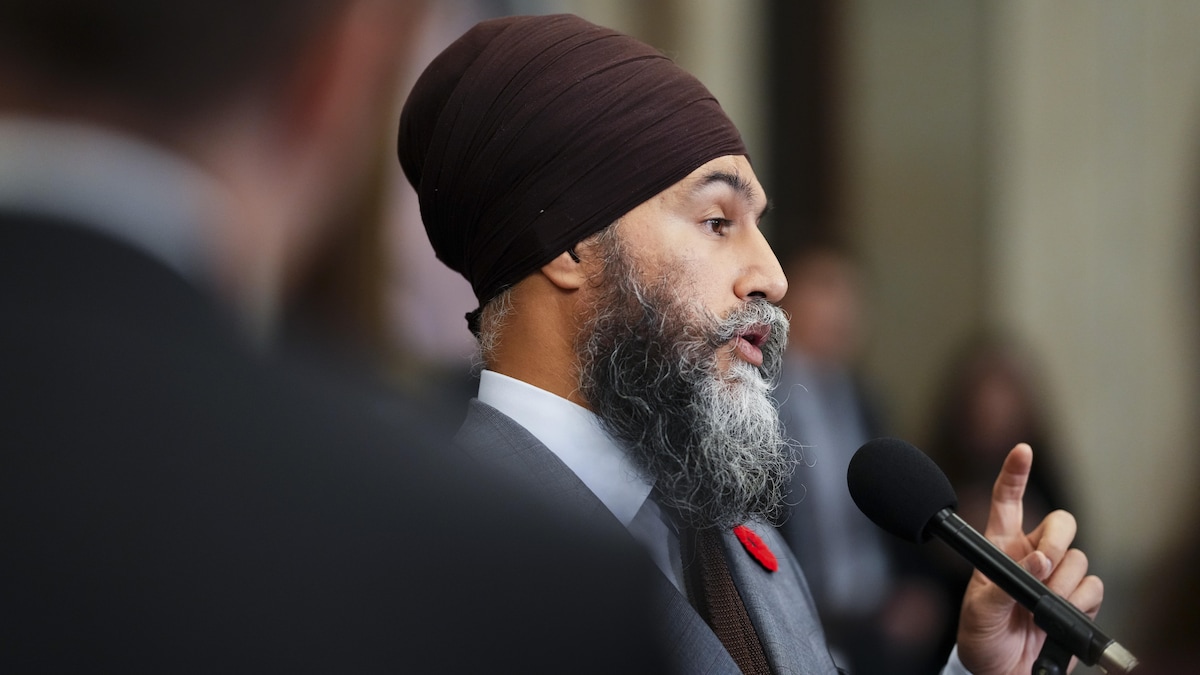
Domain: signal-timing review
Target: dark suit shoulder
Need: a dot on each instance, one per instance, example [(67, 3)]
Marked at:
[(176, 500)]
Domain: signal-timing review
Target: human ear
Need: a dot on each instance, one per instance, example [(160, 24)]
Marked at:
[(566, 271)]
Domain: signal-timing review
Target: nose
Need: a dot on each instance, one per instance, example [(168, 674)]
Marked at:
[(761, 274)]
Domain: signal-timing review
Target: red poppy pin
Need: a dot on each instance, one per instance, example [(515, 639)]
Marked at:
[(756, 548)]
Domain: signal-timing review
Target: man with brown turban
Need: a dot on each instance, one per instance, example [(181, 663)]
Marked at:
[(605, 212)]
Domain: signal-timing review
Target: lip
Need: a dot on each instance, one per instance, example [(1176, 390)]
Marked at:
[(749, 344)]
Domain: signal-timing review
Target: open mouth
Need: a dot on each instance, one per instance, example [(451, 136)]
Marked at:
[(750, 341), (756, 335)]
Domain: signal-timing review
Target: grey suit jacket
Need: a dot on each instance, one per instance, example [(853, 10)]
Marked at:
[(779, 603)]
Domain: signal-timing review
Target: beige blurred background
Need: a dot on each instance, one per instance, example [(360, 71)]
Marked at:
[(998, 163)]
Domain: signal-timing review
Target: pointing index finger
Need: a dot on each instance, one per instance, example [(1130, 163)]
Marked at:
[(1006, 518)]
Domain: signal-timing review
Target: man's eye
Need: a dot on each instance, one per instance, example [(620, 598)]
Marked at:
[(717, 225)]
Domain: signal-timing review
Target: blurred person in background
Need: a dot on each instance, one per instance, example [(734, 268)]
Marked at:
[(990, 395), (177, 495), (603, 208), (828, 416), (881, 619), (376, 295)]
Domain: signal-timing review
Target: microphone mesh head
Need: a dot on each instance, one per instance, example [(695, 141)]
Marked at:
[(898, 487)]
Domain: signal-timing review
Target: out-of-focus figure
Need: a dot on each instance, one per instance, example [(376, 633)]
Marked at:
[(178, 494), (829, 412), (377, 295), (991, 397)]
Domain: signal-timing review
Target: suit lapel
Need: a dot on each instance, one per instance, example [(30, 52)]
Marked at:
[(506, 449), (692, 647), (780, 605)]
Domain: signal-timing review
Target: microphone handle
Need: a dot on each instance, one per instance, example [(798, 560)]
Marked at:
[(1062, 621)]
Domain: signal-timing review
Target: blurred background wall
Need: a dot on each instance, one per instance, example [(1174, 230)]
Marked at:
[(1032, 166), (1009, 165)]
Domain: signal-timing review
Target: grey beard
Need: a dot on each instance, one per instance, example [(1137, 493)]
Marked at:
[(711, 441)]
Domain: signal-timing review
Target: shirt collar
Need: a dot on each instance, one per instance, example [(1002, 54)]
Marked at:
[(575, 435), (113, 183)]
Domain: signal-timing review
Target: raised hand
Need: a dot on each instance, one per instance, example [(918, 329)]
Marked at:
[(996, 636)]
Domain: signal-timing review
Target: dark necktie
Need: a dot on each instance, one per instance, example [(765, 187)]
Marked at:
[(711, 589)]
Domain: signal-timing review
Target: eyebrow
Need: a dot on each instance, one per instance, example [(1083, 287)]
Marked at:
[(739, 184)]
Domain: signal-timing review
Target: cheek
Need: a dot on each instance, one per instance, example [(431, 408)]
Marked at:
[(704, 284)]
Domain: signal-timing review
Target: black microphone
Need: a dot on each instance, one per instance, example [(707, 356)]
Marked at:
[(904, 492)]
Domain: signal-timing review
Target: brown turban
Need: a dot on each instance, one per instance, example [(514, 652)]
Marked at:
[(529, 134)]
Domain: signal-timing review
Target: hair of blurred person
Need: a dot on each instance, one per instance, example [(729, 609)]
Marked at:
[(992, 397), (171, 64), (270, 97)]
